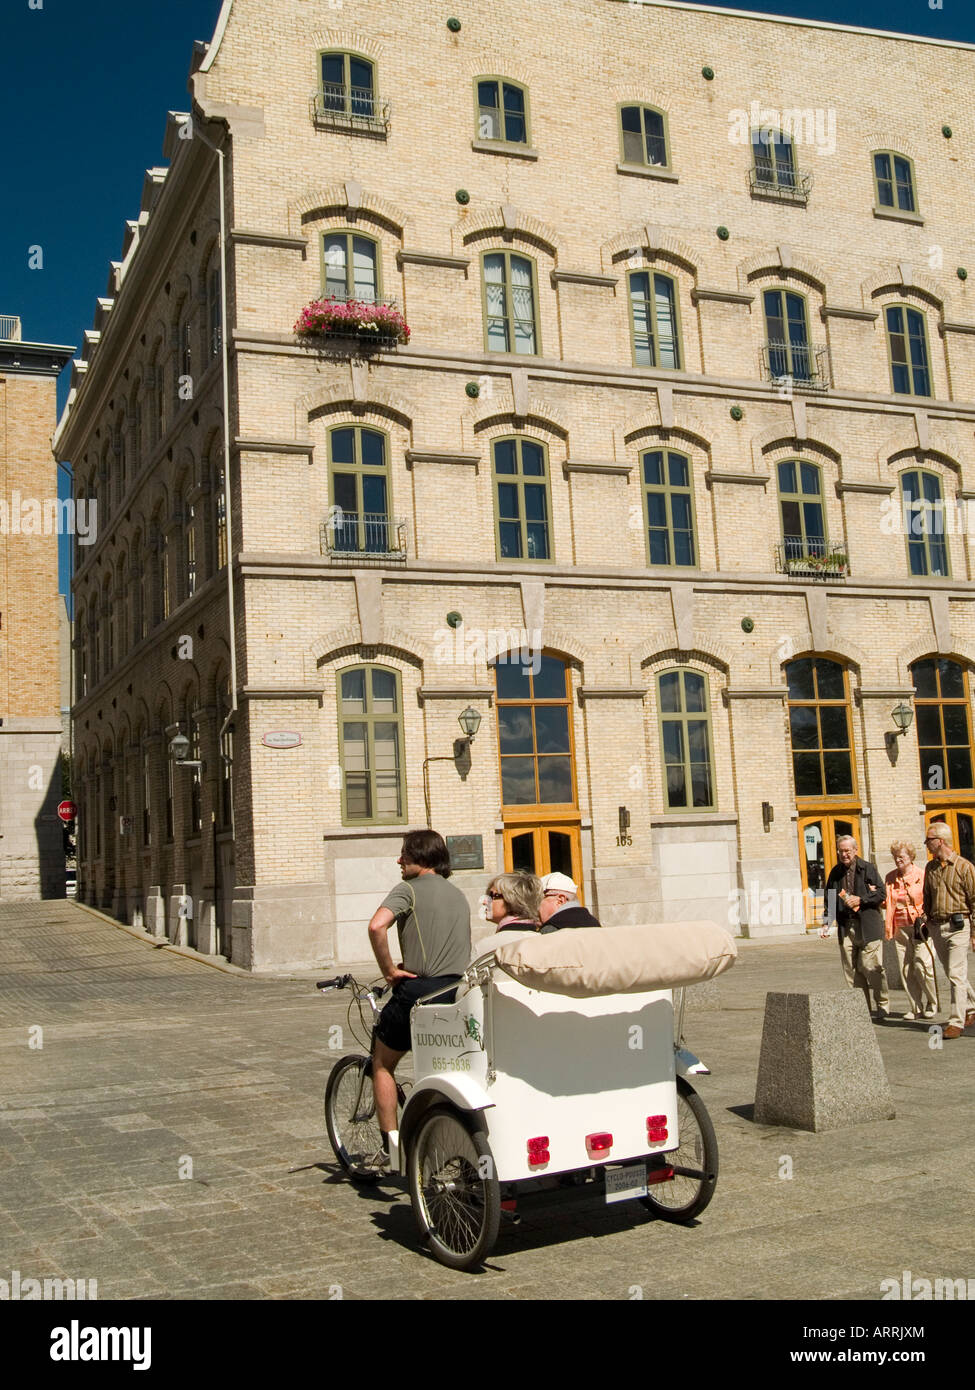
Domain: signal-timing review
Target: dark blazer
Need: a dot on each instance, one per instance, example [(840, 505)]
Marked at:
[(569, 917), (868, 886)]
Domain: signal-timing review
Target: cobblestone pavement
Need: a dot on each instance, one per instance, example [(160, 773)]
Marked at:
[(155, 1065)]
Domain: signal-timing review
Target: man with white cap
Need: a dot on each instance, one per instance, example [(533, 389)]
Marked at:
[(560, 906)]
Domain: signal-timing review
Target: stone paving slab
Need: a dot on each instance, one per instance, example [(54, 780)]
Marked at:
[(151, 1058)]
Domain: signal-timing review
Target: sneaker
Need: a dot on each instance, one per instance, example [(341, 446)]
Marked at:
[(377, 1162), (880, 1015), (910, 1016), (929, 1013)]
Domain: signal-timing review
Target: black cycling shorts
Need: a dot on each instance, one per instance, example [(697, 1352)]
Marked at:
[(393, 1024)]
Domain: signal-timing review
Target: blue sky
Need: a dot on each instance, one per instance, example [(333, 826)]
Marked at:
[(85, 90)]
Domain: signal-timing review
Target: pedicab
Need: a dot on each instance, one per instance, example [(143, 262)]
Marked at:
[(556, 1071)]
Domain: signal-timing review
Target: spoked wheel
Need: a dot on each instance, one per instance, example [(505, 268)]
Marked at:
[(454, 1189), (351, 1120), (695, 1162)]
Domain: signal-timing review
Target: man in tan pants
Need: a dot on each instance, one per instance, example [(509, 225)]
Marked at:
[(949, 907)]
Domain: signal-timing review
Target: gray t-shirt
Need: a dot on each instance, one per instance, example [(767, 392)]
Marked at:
[(435, 939)]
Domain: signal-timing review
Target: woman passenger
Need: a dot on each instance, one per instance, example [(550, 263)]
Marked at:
[(904, 925), (512, 909)]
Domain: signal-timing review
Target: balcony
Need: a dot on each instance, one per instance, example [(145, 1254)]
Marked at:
[(787, 185), (356, 110), (355, 538), (797, 366), (10, 328), (811, 558)]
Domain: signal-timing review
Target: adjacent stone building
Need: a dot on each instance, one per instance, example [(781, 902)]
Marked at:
[(670, 484), (31, 848)]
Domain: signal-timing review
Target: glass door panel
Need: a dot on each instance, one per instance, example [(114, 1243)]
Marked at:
[(817, 856), (545, 849)]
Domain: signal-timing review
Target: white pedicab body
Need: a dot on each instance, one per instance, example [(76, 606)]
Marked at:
[(515, 1085)]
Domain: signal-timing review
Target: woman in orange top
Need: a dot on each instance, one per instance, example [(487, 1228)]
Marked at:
[(903, 926)]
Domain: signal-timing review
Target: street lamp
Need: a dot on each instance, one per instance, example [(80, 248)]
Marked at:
[(902, 716), (179, 746)]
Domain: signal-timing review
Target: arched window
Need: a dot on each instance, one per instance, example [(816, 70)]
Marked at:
[(893, 181), (183, 381), (654, 321), (196, 781), (159, 398), (643, 136), (188, 585), (907, 344), (502, 111), (225, 802), (123, 602), (924, 522), (350, 267), (944, 725), (534, 733), (219, 505), (510, 303), (359, 491), (146, 786), (802, 513), (214, 336), (820, 728), (787, 350), (348, 88), (685, 740), (81, 676), (522, 500), (669, 504), (371, 745)]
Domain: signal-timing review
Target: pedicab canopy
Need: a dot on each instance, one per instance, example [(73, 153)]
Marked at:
[(586, 962)]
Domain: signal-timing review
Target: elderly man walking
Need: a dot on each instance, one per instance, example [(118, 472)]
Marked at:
[(949, 907), (855, 896)]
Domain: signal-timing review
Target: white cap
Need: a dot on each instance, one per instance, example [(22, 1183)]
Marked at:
[(558, 883)]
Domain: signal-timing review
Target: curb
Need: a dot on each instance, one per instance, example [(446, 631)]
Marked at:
[(164, 944)]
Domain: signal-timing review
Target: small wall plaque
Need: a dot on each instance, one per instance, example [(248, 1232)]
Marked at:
[(281, 738), (466, 851)]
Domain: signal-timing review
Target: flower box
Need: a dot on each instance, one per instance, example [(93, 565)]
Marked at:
[(835, 563), (377, 324)]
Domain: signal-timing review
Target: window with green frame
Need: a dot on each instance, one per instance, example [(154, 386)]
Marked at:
[(788, 337), (893, 181), (907, 344), (348, 85), (654, 321), (669, 508), (350, 267), (359, 490), (801, 508), (924, 522), (685, 740), (521, 497), (371, 745), (775, 159), (643, 132), (502, 111), (510, 306)]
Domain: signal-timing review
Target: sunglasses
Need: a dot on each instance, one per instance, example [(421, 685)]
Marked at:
[(496, 897)]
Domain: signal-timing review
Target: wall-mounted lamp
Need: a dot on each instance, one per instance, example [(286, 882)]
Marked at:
[(470, 722), (768, 815), (178, 748), (902, 715)]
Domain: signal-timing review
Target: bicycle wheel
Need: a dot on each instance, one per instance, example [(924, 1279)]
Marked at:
[(695, 1161), (454, 1189), (350, 1117)]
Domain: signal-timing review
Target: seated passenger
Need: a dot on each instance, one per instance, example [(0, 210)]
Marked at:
[(560, 906), (513, 903)]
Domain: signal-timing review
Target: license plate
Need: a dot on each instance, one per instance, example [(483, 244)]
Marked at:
[(626, 1181)]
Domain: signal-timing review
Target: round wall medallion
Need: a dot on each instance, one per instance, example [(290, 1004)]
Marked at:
[(708, 74), (748, 624), (454, 619), (946, 131), (453, 25), (462, 196), (737, 413), (473, 390), (723, 234), (962, 273)]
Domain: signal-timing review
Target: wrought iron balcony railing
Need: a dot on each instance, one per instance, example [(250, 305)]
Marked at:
[(811, 557), (363, 536), (358, 109), (767, 180), (10, 328), (799, 366)]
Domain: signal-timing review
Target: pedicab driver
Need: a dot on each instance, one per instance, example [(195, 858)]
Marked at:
[(433, 920)]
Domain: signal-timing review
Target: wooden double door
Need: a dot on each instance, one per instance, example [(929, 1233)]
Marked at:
[(818, 833), (549, 848), (962, 822)]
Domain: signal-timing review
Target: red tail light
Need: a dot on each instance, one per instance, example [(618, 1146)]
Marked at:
[(538, 1151), (659, 1175), (598, 1144), (656, 1129)]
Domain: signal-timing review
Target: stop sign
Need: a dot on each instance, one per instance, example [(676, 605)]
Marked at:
[(67, 810)]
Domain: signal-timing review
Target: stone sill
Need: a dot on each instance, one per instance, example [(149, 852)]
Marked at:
[(648, 171), (504, 147), (899, 215)]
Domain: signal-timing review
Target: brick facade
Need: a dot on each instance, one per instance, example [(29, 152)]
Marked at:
[(292, 884)]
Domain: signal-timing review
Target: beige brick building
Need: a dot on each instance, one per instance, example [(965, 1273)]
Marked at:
[(31, 848), (685, 419)]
